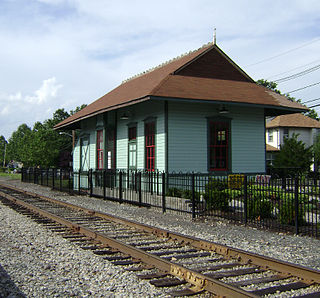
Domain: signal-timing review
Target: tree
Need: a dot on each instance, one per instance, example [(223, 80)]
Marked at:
[(273, 86), (294, 157), (42, 145), (77, 109), (3, 144), (17, 144)]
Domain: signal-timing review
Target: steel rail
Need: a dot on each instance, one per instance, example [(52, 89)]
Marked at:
[(198, 280), (304, 273), (307, 274)]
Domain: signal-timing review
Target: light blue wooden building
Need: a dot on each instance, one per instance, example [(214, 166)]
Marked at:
[(199, 112)]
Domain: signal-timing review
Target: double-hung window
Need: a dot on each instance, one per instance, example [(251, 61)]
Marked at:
[(150, 145), (132, 150), (100, 149), (218, 145)]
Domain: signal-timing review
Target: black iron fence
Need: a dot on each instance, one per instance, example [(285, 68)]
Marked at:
[(287, 204)]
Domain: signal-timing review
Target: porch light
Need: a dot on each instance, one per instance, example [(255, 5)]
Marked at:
[(223, 110), (124, 116)]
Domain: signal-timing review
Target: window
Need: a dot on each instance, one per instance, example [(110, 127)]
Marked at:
[(150, 145), (111, 148), (270, 135), (219, 145), (100, 149), (285, 133), (132, 151)]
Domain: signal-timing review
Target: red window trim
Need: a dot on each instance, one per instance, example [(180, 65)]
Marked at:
[(99, 149), (214, 147), (150, 146)]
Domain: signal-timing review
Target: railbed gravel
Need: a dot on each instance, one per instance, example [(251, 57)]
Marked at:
[(32, 266)]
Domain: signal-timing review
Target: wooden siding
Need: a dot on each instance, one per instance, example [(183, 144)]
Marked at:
[(138, 114), (188, 138)]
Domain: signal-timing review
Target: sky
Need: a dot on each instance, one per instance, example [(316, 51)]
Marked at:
[(64, 53)]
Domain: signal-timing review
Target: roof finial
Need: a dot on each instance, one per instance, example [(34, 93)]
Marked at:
[(214, 36)]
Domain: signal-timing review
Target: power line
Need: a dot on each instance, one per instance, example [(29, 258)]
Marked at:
[(305, 87), (314, 106), (284, 72), (284, 53), (311, 100), (297, 75)]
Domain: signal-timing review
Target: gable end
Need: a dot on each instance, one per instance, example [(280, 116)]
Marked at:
[(214, 64)]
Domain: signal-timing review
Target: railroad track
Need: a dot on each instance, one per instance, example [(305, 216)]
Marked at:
[(167, 259)]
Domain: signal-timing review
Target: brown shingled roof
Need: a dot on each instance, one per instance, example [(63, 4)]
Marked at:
[(270, 148), (205, 74), (293, 120)]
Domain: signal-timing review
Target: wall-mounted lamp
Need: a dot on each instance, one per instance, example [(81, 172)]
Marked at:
[(125, 116), (223, 110)]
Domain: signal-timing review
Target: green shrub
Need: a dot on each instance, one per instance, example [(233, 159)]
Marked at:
[(287, 213), (174, 192), (217, 200), (233, 193), (187, 194), (216, 184), (259, 207)]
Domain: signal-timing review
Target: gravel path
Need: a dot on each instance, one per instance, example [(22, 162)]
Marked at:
[(31, 266)]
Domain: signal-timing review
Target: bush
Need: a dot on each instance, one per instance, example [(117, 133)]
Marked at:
[(259, 207), (217, 200), (174, 192), (187, 194), (216, 184), (287, 213)]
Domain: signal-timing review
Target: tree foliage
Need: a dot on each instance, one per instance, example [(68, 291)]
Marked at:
[(41, 146), (273, 86), (3, 144), (293, 156)]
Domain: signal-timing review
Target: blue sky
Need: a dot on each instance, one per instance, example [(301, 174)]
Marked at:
[(63, 53)]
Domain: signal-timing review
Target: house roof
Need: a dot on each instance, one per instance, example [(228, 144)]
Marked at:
[(270, 148), (206, 74), (293, 120)]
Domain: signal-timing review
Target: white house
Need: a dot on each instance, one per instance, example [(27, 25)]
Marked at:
[(284, 126), (199, 112)]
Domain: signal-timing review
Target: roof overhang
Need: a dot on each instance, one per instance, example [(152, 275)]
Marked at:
[(75, 124)]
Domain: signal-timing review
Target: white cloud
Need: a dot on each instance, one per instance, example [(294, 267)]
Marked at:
[(47, 91), (91, 46)]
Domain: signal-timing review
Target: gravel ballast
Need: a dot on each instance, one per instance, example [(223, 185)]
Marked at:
[(32, 266)]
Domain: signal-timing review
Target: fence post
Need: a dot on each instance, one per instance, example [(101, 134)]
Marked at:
[(296, 204), (69, 180), (22, 174), (193, 195), (245, 198), (53, 177), (79, 181), (90, 174), (140, 190), (104, 184), (41, 178), (34, 176), (47, 176), (120, 186), (164, 208), (60, 179)]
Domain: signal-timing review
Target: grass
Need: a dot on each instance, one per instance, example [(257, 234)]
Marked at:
[(11, 176)]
